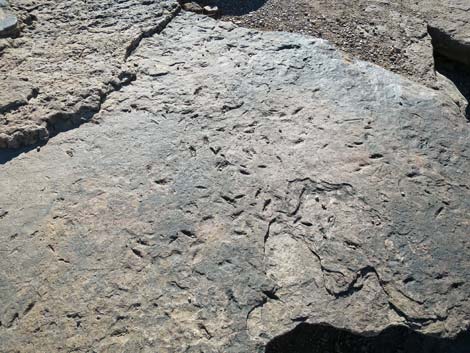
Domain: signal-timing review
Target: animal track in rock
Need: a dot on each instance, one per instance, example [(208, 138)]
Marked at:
[(162, 181), (376, 156)]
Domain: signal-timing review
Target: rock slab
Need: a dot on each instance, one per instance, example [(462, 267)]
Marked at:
[(399, 35), (8, 21), (73, 54), (243, 183)]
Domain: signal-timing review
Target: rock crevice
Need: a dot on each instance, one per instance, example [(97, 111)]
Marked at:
[(234, 191)]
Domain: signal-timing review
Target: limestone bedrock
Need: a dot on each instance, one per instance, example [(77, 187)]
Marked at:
[(243, 182)]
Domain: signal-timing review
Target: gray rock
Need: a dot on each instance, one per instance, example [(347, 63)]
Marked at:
[(18, 93), (243, 183), (77, 60), (449, 27), (8, 22), (193, 7), (75, 53), (413, 38)]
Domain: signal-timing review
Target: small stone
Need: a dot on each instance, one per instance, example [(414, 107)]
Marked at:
[(211, 10), (193, 7)]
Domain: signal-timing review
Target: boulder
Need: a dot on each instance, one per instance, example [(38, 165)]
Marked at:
[(449, 27), (75, 54), (261, 186), (193, 7)]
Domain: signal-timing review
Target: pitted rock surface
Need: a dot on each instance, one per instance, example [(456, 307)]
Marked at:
[(243, 183), (72, 54), (398, 35)]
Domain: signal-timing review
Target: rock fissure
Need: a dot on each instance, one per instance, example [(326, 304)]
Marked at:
[(354, 286), (15, 105), (412, 322), (61, 122), (149, 33), (452, 59), (268, 233)]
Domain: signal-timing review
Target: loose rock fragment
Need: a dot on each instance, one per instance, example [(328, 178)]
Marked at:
[(211, 10)]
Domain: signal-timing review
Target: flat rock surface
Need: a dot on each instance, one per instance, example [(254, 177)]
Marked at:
[(243, 182), (73, 54)]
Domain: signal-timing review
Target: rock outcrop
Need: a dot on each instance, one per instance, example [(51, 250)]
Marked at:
[(408, 37), (71, 54), (449, 26), (243, 184)]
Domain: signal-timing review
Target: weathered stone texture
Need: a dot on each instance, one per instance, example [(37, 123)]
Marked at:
[(412, 38), (72, 54), (244, 182)]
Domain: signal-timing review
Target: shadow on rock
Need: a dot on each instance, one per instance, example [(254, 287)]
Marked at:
[(7, 155), (452, 59), (233, 7), (309, 338), (458, 73)]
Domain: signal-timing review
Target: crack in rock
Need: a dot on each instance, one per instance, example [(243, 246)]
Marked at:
[(145, 231)]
